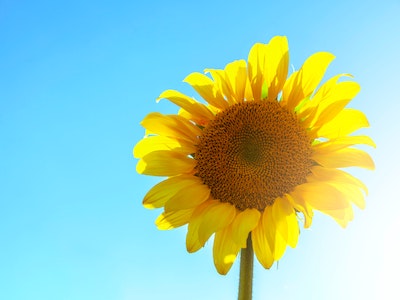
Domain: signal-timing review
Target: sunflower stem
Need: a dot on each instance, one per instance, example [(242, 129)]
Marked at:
[(246, 271)]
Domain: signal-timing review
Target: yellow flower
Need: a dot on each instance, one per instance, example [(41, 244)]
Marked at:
[(263, 149)]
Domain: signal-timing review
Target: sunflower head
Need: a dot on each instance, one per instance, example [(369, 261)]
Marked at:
[(258, 152)]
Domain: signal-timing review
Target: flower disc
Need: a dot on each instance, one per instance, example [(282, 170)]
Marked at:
[(252, 153)]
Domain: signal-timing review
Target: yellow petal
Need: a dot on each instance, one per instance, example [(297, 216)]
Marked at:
[(155, 143), (276, 65), (352, 193), (335, 175), (322, 196), (296, 200), (347, 121), (262, 242), (342, 217), (248, 93), (286, 223), (173, 219), (302, 84), (279, 214), (225, 250), (268, 67), (188, 116), (159, 194), (223, 84), (171, 126), (236, 75), (269, 227), (326, 89), (256, 63), (293, 229), (244, 222), (188, 197), (214, 219), (328, 102), (343, 142), (289, 86), (198, 110), (165, 163), (343, 158), (207, 89), (281, 233), (343, 183), (192, 237), (324, 92), (333, 104)]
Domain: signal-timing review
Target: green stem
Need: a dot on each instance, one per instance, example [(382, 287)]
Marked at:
[(246, 271)]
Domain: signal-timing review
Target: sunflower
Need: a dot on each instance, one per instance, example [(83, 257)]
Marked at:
[(258, 156)]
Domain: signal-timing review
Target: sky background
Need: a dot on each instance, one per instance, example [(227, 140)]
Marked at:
[(77, 77)]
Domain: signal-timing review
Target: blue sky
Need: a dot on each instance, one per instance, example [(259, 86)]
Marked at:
[(77, 77)]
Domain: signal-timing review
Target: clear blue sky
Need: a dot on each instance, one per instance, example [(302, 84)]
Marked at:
[(77, 77)]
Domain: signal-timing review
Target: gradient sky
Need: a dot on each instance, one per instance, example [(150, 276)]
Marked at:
[(77, 77)]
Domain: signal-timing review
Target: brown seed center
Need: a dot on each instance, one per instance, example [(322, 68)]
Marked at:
[(252, 153)]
